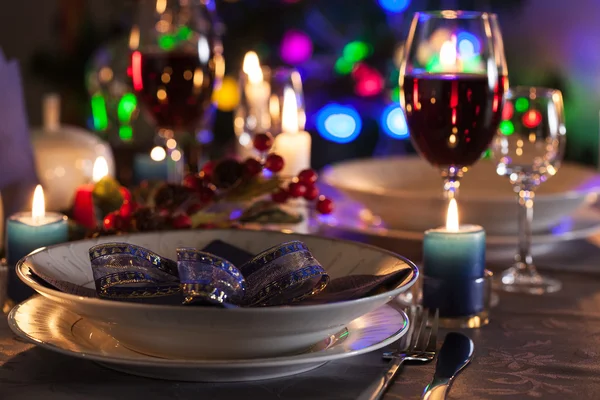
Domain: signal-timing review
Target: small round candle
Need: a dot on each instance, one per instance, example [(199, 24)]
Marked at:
[(293, 145), (454, 251), (28, 231)]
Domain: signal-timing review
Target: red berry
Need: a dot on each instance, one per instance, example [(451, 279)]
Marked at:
[(274, 163), (324, 205), (263, 141), (112, 221), (312, 192), (252, 167), (127, 209), (125, 193), (182, 221), (206, 194), (308, 176), (207, 170), (297, 189), (280, 196), (192, 181)]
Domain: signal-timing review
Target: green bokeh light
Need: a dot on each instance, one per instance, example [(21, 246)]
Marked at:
[(487, 155), (99, 113), (167, 42), (343, 66), (356, 51), (507, 128), (184, 33), (434, 65), (395, 95), (522, 104), (127, 106), (126, 133)]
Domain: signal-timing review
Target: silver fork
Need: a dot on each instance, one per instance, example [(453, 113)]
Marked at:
[(419, 346)]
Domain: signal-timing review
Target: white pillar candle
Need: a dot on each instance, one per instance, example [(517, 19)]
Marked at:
[(292, 144)]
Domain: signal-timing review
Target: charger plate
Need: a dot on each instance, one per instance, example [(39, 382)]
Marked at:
[(55, 328)]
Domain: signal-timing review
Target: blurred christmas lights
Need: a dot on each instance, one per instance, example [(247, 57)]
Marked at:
[(227, 96), (394, 6), (393, 122), (337, 123), (99, 113), (296, 47), (532, 118)]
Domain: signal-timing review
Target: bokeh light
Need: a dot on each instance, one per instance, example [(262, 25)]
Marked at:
[(227, 96), (507, 128), (508, 111), (296, 47), (394, 6), (532, 118), (337, 123), (468, 45), (343, 66), (99, 112), (522, 104), (393, 122), (356, 51), (126, 108)]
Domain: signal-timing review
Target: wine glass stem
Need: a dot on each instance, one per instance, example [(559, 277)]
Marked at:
[(451, 186), (524, 260)]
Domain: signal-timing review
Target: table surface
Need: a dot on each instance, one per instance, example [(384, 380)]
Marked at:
[(535, 347)]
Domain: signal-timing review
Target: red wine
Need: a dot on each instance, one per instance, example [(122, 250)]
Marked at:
[(452, 119), (174, 87)]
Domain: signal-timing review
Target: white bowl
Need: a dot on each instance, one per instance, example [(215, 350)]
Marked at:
[(202, 332), (406, 193)]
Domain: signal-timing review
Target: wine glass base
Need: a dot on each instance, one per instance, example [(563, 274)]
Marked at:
[(515, 280)]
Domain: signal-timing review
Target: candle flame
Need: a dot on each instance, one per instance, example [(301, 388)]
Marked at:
[(274, 107), (252, 67), (452, 217), (289, 114), (38, 208), (100, 169)]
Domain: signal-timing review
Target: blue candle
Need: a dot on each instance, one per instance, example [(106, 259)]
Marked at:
[(28, 231), (454, 254), (454, 251), (25, 233), (147, 169), (453, 267)]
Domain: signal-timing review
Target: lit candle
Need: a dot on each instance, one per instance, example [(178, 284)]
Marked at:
[(28, 231), (83, 208), (454, 251), (257, 91), (292, 144)]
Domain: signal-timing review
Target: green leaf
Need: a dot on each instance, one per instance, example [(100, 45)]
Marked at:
[(107, 196), (205, 217), (253, 189)]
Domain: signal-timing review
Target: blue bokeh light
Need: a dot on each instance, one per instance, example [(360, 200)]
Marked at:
[(337, 123), (394, 6), (393, 122), (468, 44)]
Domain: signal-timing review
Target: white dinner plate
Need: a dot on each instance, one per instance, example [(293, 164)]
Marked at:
[(53, 327), (353, 218)]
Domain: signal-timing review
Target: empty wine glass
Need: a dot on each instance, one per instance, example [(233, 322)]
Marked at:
[(452, 84), (529, 148)]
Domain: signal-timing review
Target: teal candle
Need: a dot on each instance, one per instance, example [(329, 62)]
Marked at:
[(454, 253), (25, 233)]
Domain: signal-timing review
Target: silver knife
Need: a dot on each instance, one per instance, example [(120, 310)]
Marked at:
[(455, 354)]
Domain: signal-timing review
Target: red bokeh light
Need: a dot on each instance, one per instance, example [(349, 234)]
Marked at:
[(508, 111), (532, 118)]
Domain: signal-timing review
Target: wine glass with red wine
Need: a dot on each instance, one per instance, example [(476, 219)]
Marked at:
[(176, 62), (452, 84)]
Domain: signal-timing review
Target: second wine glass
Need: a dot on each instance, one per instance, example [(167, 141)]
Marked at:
[(452, 85), (528, 149), (176, 62)]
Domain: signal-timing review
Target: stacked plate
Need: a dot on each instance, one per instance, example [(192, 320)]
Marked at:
[(401, 197), (202, 343)]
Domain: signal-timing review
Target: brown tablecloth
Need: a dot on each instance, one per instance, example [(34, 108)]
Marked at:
[(535, 347)]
